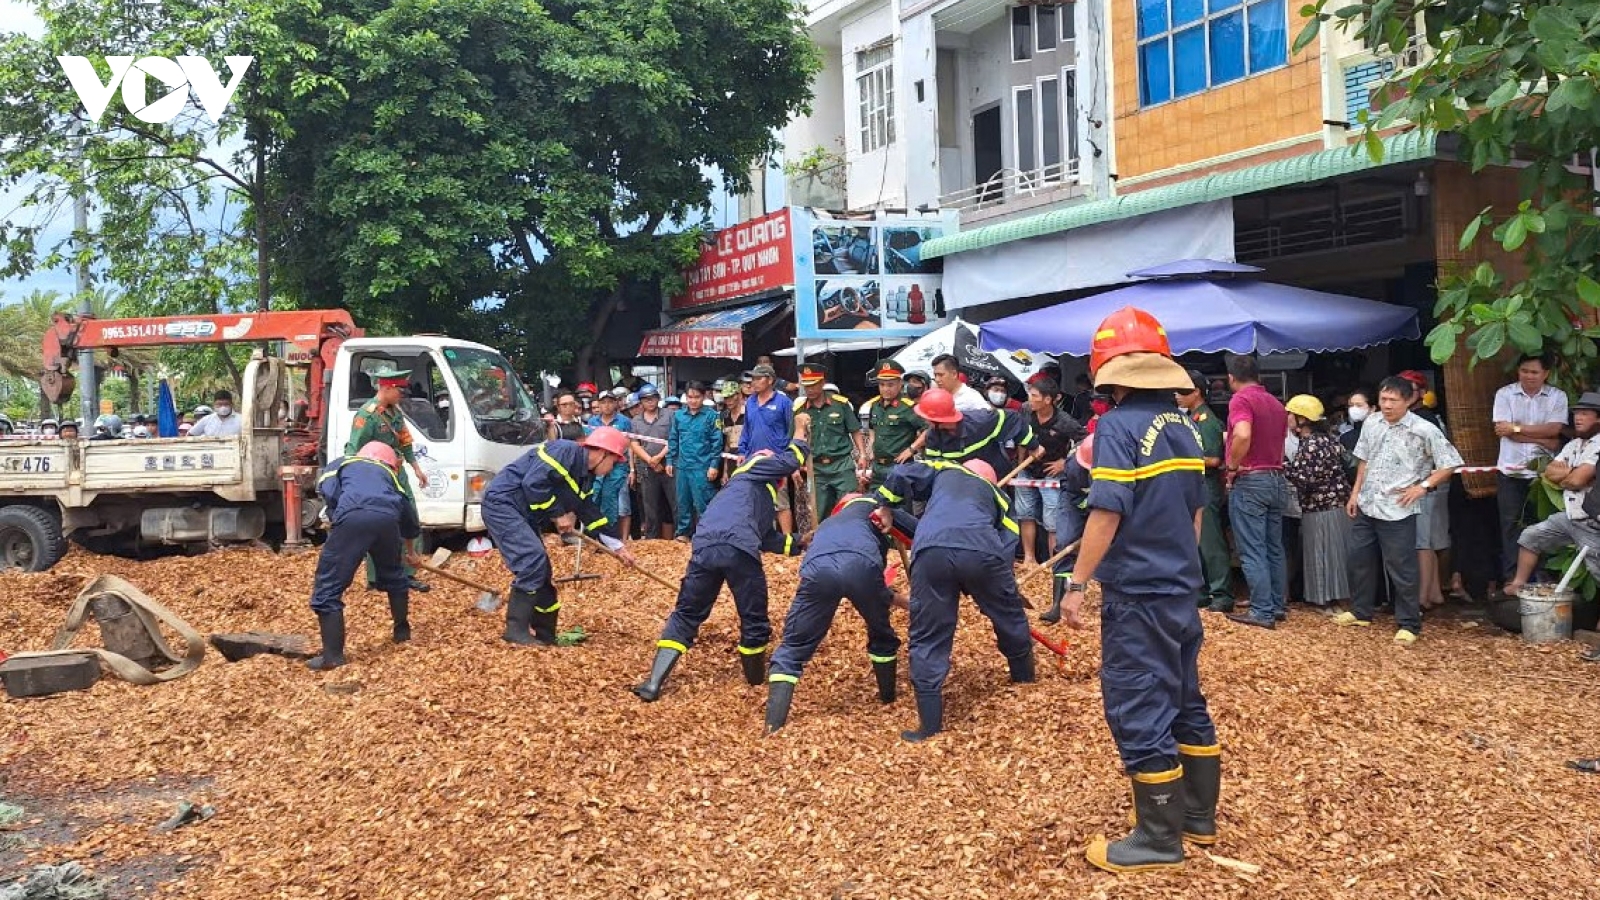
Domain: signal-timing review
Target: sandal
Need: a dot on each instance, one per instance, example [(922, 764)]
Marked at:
[(1590, 655), (1586, 766)]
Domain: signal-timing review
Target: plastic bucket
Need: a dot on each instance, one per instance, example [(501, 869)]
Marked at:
[(1546, 614)]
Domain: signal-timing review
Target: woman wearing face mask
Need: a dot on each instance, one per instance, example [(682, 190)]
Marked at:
[(1360, 406)]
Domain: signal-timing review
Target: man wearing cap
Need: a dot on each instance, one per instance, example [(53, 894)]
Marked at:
[(730, 419), (768, 425), (964, 544), (380, 419), (837, 443), (1141, 543), (895, 427), (658, 497), (734, 532), (546, 483), (370, 516), (845, 560), (1215, 563)]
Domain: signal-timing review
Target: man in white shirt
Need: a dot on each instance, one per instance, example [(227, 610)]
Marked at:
[(1573, 471), (221, 421), (947, 375), (1528, 417)]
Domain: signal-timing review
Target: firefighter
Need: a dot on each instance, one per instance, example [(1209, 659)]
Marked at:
[(965, 543), (735, 530), (370, 514), (896, 428), (838, 445), (846, 559), (957, 435), (552, 481), (380, 419), (1142, 542), (1070, 515)]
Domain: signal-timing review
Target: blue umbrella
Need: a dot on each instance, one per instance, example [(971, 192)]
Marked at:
[(1208, 307), (166, 411)]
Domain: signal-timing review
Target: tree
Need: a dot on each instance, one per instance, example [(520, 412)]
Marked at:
[(1514, 81), (504, 169)]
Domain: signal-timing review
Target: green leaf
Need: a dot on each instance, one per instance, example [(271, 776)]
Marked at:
[(1526, 337), (1374, 146), (1470, 233), (1516, 233), (1441, 342), (1482, 313), (1491, 338), (1504, 94), (1307, 34), (1555, 26), (1576, 92), (1588, 290)]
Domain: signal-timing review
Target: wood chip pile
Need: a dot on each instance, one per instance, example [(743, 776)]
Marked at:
[(458, 767)]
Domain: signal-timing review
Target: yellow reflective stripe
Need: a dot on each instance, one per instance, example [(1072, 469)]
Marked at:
[(1158, 777), (348, 460), (1010, 524), (799, 454), (551, 462), (999, 423), (791, 679), (745, 467), (862, 499), (545, 505), (597, 524), (1066, 575), (1192, 750), (880, 659), (752, 651), (545, 609), (788, 545), (1104, 473), (664, 644), (891, 496)]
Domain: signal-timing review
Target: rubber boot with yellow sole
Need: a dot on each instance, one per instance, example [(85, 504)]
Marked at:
[(1156, 842)]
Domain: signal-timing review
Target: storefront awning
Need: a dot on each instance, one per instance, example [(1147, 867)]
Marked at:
[(719, 334)]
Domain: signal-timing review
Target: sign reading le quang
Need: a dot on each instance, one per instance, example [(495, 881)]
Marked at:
[(747, 259)]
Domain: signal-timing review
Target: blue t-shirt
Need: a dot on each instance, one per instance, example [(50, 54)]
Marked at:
[(766, 425)]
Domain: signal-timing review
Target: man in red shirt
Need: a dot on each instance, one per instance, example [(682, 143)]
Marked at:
[(1257, 426)]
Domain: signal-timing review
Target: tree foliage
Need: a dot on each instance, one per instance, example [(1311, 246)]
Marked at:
[(505, 169), (1517, 82)]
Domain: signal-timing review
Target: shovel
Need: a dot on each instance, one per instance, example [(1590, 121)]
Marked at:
[(488, 601)]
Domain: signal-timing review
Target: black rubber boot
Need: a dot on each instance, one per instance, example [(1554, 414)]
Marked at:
[(1202, 785), (545, 611), (779, 695), (332, 656), (519, 618), (1058, 593), (1157, 839), (666, 658), (400, 611), (884, 672), (1022, 670), (754, 666), (420, 587), (930, 718)]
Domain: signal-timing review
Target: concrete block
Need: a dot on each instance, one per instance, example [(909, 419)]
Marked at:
[(235, 647), (43, 676)]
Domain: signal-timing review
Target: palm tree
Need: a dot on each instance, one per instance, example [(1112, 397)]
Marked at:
[(22, 328)]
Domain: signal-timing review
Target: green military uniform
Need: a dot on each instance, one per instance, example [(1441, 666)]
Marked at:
[(1215, 563), (387, 426), (833, 448), (894, 424)]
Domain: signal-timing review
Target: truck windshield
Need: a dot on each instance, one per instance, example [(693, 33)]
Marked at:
[(501, 408)]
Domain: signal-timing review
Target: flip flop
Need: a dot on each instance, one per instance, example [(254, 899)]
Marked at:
[(1586, 766)]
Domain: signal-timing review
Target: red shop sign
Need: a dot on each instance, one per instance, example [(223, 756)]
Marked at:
[(750, 258)]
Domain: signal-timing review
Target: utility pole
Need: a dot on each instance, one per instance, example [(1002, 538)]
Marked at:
[(88, 390)]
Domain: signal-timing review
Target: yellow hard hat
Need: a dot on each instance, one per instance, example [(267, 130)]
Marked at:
[(1306, 407)]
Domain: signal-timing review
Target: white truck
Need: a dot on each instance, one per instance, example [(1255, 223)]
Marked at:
[(468, 412)]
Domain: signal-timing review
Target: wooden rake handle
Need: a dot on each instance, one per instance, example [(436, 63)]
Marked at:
[(645, 572), (451, 576)]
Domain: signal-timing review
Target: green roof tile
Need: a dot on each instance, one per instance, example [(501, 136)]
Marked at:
[(1400, 148)]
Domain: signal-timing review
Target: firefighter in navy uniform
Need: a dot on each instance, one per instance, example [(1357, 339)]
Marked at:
[(736, 528), (370, 513), (846, 560), (1142, 543), (958, 436), (965, 544), (548, 482)]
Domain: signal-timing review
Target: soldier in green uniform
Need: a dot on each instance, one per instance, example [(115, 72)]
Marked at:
[(894, 424), (380, 419), (838, 446), (1215, 563)]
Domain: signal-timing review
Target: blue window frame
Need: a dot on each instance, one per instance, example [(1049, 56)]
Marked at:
[(1186, 46)]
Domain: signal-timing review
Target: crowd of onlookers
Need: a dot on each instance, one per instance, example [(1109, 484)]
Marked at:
[(217, 420)]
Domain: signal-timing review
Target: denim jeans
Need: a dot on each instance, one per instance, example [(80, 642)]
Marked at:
[(1511, 500), (1377, 546), (1256, 510)]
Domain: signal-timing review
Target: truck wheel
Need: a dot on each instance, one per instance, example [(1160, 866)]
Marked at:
[(30, 539)]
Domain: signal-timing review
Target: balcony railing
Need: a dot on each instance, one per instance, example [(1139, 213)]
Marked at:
[(1010, 184)]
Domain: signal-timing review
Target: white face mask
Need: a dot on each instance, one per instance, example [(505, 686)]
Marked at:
[(998, 398), (1358, 413), (224, 411)]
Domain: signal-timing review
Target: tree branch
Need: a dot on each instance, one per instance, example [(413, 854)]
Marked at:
[(523, 246)]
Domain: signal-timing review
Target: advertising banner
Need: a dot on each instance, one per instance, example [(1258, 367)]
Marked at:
[(866, 278), (745, 260)]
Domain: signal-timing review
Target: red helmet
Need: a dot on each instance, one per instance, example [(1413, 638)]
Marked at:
[(845, 499), (587, 387), (1128, 330), (981, 469), (608, 439), (378, 451), (1086, 452), (938, 405)]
